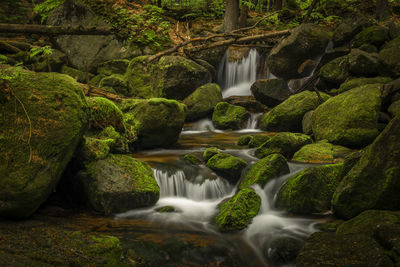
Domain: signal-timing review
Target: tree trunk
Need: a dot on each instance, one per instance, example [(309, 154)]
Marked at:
[(243, 16), (278, 4), (382, 9), (231, 15)]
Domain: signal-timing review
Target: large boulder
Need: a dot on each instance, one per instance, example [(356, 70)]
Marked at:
[(103, 113), (237, 212), (227, 166), (394, 108), (348, 29), (227, 116), (115, 83), (117, 183), (349, 119), (42, 117), (357, 82), (310, 191), (265, 170), (390, 58), (115, 66), (270, 92), (321, 152), (156, 121), (288, 115), (374, 182), (336, 71), (305, 42), (363, 63), (202, 101), (375, 35), (176, 77)]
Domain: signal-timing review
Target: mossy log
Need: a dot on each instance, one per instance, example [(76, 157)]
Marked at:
[(53, 30)]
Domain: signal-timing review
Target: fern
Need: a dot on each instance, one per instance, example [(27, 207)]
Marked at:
[(46, 8)]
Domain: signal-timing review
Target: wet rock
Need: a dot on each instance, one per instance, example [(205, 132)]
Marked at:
[(270, 92), (115, 66), (348, 29), (363, 63), (227, 166), (369, 48), (213, 55), (306, 123), (283, 143), (353, 117), (202, 101), (192, 159), (288, 115), (374, 181), (209, 153), (166, 209), (248, 102), (265, 170), (336, 71), (357, 82), (375, 35), (238, 212), (115, 83), (321, 152), (310, 191), (258, 140), (394, 108), (390, 58), (305, 42), (237, 53), (35, 152), (103, 113), (284, 250), (227, 116)]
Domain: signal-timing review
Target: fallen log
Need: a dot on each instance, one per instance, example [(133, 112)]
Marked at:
[(90, 90), (54, 30)]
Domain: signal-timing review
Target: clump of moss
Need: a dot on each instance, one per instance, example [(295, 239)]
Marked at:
[(244, 140), (227, 116), (321, 152), (209, 152), (227, 166), (192, 159), (103, 113)]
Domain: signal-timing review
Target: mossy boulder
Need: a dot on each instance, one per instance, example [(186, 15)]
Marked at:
[(115, 83), (284, 249), (202, 101), (117, 183), (78, 75), (394, 108), (38, 136), (390, 58), (95, 81), (363, 63), (192, 159), (177, 77), (265, 170), (227, 116), (157, 122), (310, 191), (237, 212), (244, 140), (374, 181), (375, 35), (321, 152), (270, 92), (349, 119), (257, 140), (348, 29), (306, 122), (103, 113), (284, 143), (209, 153), (357, 82), (110, 67), (53, 62), (288, 115), (336, 71), (305, 42), (227, 166), (94, 148), (166, 209)]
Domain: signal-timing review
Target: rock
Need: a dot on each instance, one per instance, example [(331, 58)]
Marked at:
[(116, 83), (305, 42), (236, 53), (157, 122), (115, 66), (337, 250), (51, 63), (394, 29), (369, 48), (86, 51), (306, 123), (78, 75), (248, 102), (270, 92), (348, 29), (202, 101), (94, 148), (321, 152), (283, 143), (227, 116), (258, 140), (357, 82), (394, 108), (103, 113), (310, 191), (363, 63), (284, 250), (353, 117), (35, 152), (166, 209), (349, 162), (209, 153), (374, 181), (238, 212), (227, 166), (265, 170), (336, 71), (244, 140), (95, 81), (390, 58), (375, 35), (211, 69), (288, 115), (177, 77), (117, 184), (212, 55), (192, 159)]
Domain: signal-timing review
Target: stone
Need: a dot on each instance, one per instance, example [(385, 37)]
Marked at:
[(310, 191), (244, 140), (363, 63), (389, 56), (394, 108), (369, 48), (115, 66), (284, 250), (78, 75), (117, 83), (394, 29), (258, 140), (209, 153), (212, 55), (50, 63), (227, 166), (270, 92), (248, 102), (35, 152), (306, 123), (237, 53), (348, 29), (353, 117), (357, 82), (336, 71), (227, 116), (321, 152), (103, 112), (192, 159), (375, 35)]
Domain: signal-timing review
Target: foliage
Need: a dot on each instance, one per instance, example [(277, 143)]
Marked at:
[(44, 9), (45, 51)]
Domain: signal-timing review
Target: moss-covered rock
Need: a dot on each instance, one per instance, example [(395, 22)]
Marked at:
[(94, 148), (38, 136), (202, 101), (209, 153), (284, 249), (257, 140), (349, 119), (265, 170), (394, 108), (227, 166), (104, 113), (166, 209), (95, 81), (348, 29), (374, 181), (116, 83), (375, 35), (306, 122), (227, 116), (336, 71), (283, 143), (358, 82), (53, 62), (321, 152), (390, 58), (244, 140), (238, 212), (177, 77), (78, 75), (156, 122), (270, 92), (288, 115), (192, 159), (363, 63), (310, 191), (117, 184), (110, 67)]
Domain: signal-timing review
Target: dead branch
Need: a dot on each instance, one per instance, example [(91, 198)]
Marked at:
[(90, 90), (53, 30)]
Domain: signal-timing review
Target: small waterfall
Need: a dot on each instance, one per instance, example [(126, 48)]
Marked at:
[(176, 185)]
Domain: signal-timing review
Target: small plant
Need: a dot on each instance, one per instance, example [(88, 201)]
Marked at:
[(46, 8), (45, 51)]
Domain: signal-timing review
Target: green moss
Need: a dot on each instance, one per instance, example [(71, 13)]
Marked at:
[(265, 170), (115, 66), (375, 35), (227, 116), (238, 212), (116, 83), (109, 132), (103, 113), (210, 152), (311, 190), (336, 71), (244, 139), (3, 59), (258, 140), (357, 82), (321, 152), (394, 108), (95, 149), (78, 75), (95, 81), (192, 159), (227, 166), (108, 247)]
